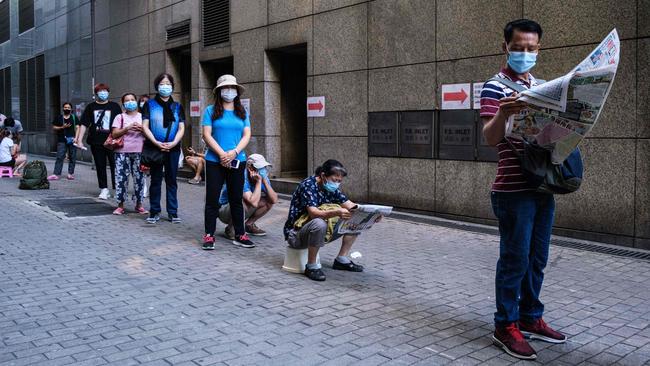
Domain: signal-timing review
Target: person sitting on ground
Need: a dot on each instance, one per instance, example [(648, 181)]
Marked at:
[(15, 129), (258, 198), (309, 198), (9, 152), (196, 161)]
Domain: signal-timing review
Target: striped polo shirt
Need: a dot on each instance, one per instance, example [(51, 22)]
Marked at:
[(509, 177)]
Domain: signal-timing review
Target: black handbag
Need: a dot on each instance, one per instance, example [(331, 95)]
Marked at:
[(151, 154)]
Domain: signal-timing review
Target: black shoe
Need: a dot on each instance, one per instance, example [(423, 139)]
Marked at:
[(174, 219), (153, 218), (352, 267), (315, 274), (243, 241)]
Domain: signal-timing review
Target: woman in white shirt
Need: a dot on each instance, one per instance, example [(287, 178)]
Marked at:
[(9, 152)]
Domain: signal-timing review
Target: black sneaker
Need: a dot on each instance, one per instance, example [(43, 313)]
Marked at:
[(174, 219), (352, 267), (153, 218), (243, 241), (315, 274), (208, 242)]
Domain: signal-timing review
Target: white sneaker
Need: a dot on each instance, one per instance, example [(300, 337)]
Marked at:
[(103, 195)]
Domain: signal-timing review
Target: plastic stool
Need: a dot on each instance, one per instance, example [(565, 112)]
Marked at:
[(6, 171), (295, 260)]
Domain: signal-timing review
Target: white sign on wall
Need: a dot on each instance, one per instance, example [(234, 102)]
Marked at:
[(476, 92), (195, 108), (456, 96), (247, 105), (316, 107)]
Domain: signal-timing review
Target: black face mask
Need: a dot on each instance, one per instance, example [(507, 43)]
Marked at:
[(67, 111)]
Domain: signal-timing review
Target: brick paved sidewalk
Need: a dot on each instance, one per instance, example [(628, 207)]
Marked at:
[(114, 290)]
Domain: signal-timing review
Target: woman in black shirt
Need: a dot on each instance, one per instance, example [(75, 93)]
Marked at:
[(65, 126)]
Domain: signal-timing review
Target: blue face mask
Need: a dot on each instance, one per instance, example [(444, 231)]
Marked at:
[(521, 62), (165, 90), (263, 173), (102, 95), (331, 186), (131, 105)]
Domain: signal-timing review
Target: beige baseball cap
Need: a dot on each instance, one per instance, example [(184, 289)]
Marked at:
[(258, 161)]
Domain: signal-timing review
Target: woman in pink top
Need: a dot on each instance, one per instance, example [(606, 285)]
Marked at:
[(127, 158)]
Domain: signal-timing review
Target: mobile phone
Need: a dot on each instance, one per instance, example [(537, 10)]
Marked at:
[(234, 164)]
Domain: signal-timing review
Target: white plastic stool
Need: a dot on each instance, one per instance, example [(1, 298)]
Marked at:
[(295, 260)]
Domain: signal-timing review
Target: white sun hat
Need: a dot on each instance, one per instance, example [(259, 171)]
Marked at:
[(228, 80)]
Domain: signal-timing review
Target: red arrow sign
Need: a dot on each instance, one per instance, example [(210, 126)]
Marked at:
[(455, 97), (315, 106)]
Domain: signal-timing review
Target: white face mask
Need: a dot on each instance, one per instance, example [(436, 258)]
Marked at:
[(228, 94)]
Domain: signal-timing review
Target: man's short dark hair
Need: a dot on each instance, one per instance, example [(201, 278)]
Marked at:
[(522, 25), (9, 122)]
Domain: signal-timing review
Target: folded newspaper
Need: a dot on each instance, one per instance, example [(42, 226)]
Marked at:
[(562, 111), (363, 217)]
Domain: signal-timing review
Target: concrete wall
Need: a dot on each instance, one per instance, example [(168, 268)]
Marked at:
[(387, 55)]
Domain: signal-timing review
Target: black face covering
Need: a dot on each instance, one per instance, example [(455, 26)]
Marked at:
[(168, 114), (67, 111)]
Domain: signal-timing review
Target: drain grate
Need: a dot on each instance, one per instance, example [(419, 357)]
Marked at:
[(77, 207), (590, 247)]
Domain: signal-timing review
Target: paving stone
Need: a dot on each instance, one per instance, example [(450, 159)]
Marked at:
[(124, 292)]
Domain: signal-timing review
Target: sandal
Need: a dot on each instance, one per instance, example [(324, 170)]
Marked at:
[(118, 211), (141, 210), (194, 181)]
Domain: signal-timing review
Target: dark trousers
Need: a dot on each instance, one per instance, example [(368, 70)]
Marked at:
[(100, 156), (215, 176), (167, 170), (525, 223), (61, 149)]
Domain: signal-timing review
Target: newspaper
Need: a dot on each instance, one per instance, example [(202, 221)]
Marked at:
[(363, 217), (564, 110)]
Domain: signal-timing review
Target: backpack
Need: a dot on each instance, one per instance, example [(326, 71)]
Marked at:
[(34, 176), (536, 163)]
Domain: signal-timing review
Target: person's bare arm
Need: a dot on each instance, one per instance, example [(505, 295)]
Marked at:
[(253, 198), (271, 195), (494, 128), (316, 213)]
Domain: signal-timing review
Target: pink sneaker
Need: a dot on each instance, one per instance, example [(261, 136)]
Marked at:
[(70, 177), (53, 177), (118, 211)]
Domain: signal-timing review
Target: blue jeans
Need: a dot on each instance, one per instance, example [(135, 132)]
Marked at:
[(168, 170), (525, 223), (61, 150)]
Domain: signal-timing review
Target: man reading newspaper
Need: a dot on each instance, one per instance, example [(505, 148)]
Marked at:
[(316, 206), (525, 216)]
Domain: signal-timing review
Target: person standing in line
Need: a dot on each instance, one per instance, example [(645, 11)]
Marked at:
[(128, 125), (65, 126), (97, 118), (226, 132), (525, 216), (163, 122)]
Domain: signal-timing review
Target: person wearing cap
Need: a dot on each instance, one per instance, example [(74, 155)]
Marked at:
[(310, 199), (226, 132), (259, 197)]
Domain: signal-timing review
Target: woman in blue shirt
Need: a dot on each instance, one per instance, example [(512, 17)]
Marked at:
[(163, 123), (226, 132)]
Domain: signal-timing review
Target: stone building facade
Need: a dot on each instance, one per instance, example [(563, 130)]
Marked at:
[(364, 57)]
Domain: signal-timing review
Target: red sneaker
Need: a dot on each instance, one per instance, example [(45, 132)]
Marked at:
[(540, 330), (208, 242), (510, 339)]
